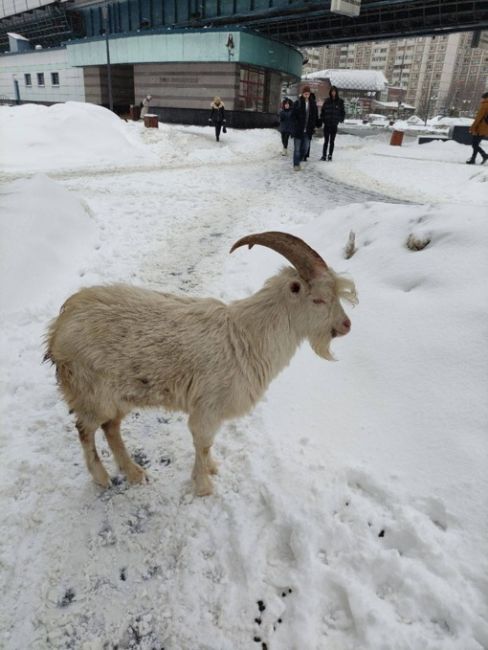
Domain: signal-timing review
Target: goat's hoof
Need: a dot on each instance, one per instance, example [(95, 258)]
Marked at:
[(203, 486), (135, 474), (101, 478)]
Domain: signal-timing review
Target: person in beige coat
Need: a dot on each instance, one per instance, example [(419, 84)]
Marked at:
[(479, 130), (145, 105)]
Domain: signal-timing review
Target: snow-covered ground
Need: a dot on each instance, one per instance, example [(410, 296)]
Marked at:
[(350, 509)]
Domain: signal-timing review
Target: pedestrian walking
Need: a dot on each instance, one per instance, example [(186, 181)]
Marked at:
[(217, 116), (304, 120), (479, 131), (286, 125), (331, 114), (307, 155), (145, 105)]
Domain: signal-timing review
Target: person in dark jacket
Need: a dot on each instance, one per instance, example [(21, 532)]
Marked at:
[(286, 126), (312, 96), (217, 116), (331, 114), (304, 118)]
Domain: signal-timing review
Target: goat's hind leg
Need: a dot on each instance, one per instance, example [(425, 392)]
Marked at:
[(133, 471), (212, 465), (92, 459), (203, 432)]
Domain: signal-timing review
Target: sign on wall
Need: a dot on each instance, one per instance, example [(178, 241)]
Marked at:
[(346, 7)]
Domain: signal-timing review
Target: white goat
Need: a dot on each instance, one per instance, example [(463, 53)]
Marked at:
[(119, 347)]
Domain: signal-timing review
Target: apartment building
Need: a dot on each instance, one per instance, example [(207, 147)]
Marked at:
[(436, 74)]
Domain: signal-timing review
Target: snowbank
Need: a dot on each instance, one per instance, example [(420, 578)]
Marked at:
[(46, 237), (65, 137)]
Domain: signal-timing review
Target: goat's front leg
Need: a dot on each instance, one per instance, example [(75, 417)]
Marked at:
[(203, 430)]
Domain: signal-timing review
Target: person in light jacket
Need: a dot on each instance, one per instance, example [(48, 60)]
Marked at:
[(479, 131), (145, 105), (331, 114), (217, 116)]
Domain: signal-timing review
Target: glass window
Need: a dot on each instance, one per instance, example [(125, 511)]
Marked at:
[(252, 90), (55, 78), (40, 78), (28, 80)]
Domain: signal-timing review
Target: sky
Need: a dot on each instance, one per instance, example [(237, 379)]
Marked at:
[(349, 512)]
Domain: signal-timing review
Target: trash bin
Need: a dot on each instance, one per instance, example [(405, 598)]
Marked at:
[(460, 134), (135, 112), (396, 138), (151, 121)]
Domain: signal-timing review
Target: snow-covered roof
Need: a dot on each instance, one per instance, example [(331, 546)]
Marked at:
[(352, 79), (393, 105), (19, 37)]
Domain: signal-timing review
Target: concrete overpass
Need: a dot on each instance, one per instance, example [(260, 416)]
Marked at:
[(298, 22), (310, 22)]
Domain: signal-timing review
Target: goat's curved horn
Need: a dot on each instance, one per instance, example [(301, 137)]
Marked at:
[(306, 261)]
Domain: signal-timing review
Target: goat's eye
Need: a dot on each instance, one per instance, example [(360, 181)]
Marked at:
[(295, 287), (319, 301)]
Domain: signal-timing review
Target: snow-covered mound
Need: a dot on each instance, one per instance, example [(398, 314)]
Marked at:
[(67, 136), (440, 120), (46, 235)]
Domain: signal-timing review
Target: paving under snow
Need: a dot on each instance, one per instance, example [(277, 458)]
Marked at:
[(350, 509)]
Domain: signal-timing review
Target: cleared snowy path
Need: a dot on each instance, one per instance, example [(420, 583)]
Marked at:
[(206, 212)]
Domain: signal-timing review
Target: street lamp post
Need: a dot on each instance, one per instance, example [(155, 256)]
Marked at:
[(400, 94), (109, 68)]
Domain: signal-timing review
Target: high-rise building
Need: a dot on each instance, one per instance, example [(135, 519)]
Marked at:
[(436, 74)]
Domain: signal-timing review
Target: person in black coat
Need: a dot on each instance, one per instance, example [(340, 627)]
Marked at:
[(304, 120), (217, 116), (286, 126), (331, 114)]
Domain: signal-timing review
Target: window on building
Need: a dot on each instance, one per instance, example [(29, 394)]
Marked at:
[(40, 78), (28, 80), (252, 90), (55, 78)]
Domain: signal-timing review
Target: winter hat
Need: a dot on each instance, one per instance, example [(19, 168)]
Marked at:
[(484, 96), (305, 89)]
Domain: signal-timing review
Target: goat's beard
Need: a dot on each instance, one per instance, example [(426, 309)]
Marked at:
[(321, 346)]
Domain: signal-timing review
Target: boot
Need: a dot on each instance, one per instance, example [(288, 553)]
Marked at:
[(329, 157), (471, 161), (485, 158), (284, 152)]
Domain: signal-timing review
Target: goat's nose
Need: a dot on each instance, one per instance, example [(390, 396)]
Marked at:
[(346, 324)]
